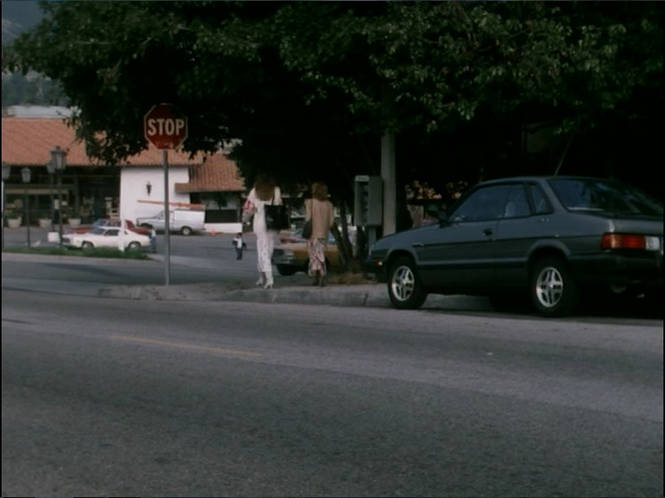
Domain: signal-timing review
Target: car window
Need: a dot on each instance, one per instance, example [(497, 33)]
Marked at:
[(98, 231), (516, 204), (584, 194), (486, 203), (112, 233), (540, 203)]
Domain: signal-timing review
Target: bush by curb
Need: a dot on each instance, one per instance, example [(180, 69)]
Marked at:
[(99, 252)]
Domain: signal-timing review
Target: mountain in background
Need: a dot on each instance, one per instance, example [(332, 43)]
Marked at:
[(32, 88), (17, 16)]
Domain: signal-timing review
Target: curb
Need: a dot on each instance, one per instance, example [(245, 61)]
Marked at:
[(331, 295), (374, 296)]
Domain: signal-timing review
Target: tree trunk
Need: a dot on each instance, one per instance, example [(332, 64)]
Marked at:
[(348, 263)]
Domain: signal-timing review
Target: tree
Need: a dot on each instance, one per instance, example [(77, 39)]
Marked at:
[(309, 87)]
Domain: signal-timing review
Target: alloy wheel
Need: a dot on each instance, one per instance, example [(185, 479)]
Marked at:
[(403, 283), (549, 287)]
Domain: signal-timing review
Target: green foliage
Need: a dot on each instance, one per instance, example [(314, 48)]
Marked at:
[(309, 87), (97, 252), (18, 89)]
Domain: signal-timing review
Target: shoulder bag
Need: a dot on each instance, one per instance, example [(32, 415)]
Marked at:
[(276, 216), (307, 229)]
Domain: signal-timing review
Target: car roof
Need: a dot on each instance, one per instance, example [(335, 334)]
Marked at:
[(537, 178)]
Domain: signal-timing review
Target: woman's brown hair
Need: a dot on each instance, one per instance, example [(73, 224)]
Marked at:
[(264, 186), (320, 191)]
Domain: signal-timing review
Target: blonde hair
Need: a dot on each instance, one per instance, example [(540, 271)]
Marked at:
[(320, 191), (264, 186)]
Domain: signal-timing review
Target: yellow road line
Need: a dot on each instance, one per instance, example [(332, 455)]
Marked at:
[(185, 345)]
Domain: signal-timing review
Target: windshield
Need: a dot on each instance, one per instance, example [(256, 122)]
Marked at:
[(598, 195)]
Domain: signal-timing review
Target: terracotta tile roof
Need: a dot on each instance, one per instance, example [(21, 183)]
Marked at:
[(28, 141), (216, 174)]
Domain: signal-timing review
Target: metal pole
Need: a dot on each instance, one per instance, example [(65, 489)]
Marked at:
[(3, 213), (388, 172), (60, 208), (50, 194), (27, 216), (167, 221)]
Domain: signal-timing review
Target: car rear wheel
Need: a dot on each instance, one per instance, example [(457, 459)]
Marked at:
[(87, 245), (553, 290), (186, 231), (404, 285), (133, 246)]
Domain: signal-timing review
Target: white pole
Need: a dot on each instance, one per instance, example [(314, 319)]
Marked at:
[(167, 219), (121, 238), (388, 172)]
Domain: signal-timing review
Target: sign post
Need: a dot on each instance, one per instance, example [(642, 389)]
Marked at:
[(165, 127)]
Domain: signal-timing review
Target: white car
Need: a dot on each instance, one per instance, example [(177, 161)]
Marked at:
[(106, 236)]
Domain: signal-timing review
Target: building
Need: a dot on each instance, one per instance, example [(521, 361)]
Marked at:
[(90, 190)]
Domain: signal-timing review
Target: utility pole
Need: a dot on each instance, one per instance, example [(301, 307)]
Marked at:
[(388, 174)]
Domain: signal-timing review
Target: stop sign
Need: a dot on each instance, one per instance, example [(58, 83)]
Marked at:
[(165, 126)]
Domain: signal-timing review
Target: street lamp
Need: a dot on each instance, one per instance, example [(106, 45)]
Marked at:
[(25, 177), (57, 165), (6, 170)]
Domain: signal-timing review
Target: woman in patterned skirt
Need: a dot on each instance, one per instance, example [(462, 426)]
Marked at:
[(320, 210)]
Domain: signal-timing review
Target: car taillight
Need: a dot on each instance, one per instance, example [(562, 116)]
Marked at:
[(629, 241)]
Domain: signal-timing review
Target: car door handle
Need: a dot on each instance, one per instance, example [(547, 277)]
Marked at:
[(488, 231), (418, 244)]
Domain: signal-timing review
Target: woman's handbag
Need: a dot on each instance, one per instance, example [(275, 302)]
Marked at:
[(307, 229), (276, 216)]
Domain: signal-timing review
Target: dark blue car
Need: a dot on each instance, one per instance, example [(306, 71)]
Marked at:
[(554, 237)]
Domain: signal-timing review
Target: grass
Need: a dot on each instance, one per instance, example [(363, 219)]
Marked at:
[(99, 252)]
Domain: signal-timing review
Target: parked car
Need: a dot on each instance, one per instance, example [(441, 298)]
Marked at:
[(552, 237), (291, 255), (184, 221), (107, 236), (111, 222)]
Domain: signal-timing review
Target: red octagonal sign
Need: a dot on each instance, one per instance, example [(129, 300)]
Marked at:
[(165, 126)]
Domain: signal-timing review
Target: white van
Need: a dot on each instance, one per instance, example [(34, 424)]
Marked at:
[(184, 221)]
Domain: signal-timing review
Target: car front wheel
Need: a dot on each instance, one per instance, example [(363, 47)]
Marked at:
[(87, 245), (133, 246), (553, 290), (186, 231), (404, 285)]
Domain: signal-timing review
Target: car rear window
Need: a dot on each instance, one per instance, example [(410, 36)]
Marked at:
[(612, 197)]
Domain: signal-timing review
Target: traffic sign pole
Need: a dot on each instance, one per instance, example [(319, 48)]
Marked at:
[(167, 220), (166, 128)]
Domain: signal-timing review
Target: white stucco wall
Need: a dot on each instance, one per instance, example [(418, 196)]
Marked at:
[(133, 182)]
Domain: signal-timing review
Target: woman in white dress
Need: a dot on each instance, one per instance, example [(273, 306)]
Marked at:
[(265, 191)]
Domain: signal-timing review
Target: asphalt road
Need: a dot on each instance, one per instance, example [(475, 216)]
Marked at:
[(118, 397), (194, 259)]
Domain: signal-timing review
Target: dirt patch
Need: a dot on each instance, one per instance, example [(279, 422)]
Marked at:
[(350, 278)]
